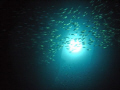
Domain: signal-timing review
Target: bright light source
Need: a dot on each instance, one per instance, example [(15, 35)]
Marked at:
[(75, 46)]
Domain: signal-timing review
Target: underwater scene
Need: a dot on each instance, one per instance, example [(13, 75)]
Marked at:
[(60, 45)]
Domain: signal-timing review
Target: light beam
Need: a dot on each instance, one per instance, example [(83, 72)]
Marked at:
[(75, 46)]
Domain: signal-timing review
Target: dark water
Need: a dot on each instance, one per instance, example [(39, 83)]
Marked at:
[(32, 55)]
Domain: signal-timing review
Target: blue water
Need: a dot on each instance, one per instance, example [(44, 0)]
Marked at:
[(35, 38)]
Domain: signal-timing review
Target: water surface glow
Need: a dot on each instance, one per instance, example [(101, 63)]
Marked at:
[(75, 46)]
